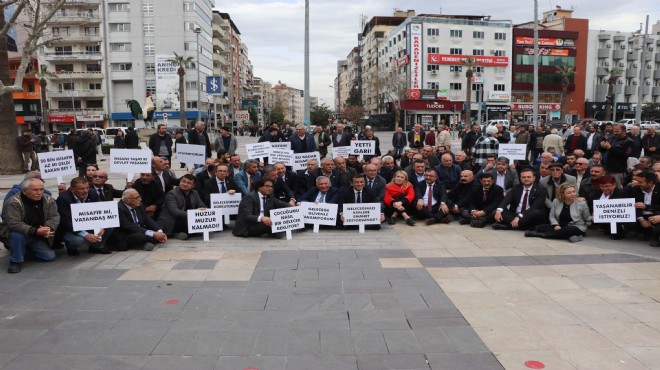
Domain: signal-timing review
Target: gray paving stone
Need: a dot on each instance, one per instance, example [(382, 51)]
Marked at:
[(185, 265), (321, 363), (205, 265), (279, 302), (460, 361), (433, 340), (377, 320), (437, 323), (257, 362), (410, 299), (6, 357), (284, 274), (596, 282), (250, 302), (333, 274), (70, 361), (191, 343), (394, 253), (256, 320), (263, 275), (73, 337), (307, 273), (324, 302), (351, 273), (304, 342), (336, 342), (134, 337), (271, 342), (434, 313), (205, 306), (441, 262), (408, 282), (386, 302), (369, 342), (16, 340), (110, 301), (479, 261), (318, 287), (402, 341), (169, 362), (375, 272), (517, 261), (238, 343), (37, 319), (367, 286), (399, 361), (270, 286), (215, 324), (359, 302), (464, 339), (435, 298)]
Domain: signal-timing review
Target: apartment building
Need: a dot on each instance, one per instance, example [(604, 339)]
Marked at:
[(222, 64), (291, 100)]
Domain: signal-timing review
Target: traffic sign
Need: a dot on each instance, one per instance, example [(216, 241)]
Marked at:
[(214, 85)]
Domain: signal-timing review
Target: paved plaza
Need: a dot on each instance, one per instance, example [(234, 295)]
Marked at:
[(423, 297)]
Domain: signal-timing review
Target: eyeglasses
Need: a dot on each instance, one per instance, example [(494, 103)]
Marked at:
[(100, 177)]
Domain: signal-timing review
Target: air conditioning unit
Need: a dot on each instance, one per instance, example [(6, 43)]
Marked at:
[(649, 66), (620, 82), (623, 46), (457, 73), (635, 65), (607, 63), (608, 45), (434, 72), (622, 64), (635, 83), (650, 48), (648, 83)]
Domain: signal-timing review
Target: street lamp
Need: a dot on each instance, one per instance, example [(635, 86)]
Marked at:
[(640, 89), (199, 110)]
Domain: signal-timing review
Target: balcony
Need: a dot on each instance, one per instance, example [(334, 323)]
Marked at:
[(647, 73), (603, 53), (656, 74), (79, 75), (73, 38), (632, 73), (619, 38), (647, 56), (604, 37), (90, 3), (219, 46), (601, 72), (657, 57), (219, 32), (82, 56), (633, 56), (655, 91), (619, 54), (77, 94), (74, 18), (630, 90)]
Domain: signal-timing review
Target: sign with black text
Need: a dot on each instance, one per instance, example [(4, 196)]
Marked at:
[(614, 211), (300, 160), (363, 147), (204, 221), (280, 155), (227, 202), (361, 214), (286, 219), (130, 161), (513, 152), (94, 216), (319, 214), (258, 150), (191, 154), (57, 164)]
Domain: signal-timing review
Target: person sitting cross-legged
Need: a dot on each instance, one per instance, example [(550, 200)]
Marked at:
[(431, 197), (399, 197), (483, 202), (254, 211), (136, 228), (569, 217), (523, 207)]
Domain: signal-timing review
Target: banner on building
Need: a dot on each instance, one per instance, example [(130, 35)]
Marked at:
[(416, 56), (167, 83)]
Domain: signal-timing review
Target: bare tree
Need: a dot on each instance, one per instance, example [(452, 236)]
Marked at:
[(394, 86)]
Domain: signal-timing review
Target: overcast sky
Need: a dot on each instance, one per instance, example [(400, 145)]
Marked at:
[(274, 30)]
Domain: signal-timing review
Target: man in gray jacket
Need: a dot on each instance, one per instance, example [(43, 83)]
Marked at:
[(174, 217), (226, 141)]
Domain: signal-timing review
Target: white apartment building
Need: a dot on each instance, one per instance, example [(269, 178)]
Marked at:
[(429, 51), (625, 53)]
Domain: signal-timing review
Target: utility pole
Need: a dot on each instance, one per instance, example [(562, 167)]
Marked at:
[(640, 89), (535, 104), (306, 114)]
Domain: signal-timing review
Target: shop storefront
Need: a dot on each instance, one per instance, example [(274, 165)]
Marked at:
[(523, 112), (90, 121), (62, 122), (430, 113)]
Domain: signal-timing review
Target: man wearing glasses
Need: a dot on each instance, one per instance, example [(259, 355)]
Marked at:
[(105, 192), (580, 172), (174, 217), (254, 211), (136, 228), (552, 182)]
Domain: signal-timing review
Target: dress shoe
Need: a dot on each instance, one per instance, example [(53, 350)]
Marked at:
[(502, 227), (100, 250), (72, 252), (654, 243), (391, 220), (533, 234), (430, 221), (575, 238), (181, 236), (463, 221), (15, 267), (444, 220), (148, 246), (410, 222), (618, 236)]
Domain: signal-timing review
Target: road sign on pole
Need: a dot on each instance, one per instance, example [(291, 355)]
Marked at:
[(214, 85)]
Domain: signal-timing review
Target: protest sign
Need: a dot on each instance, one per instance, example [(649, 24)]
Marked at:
[(614, 211), (227, 202), (204, 221), (514, 152), (319, 214), (300, 160), (191, 154), (258, 150), (130, 161), (280, 155), (57, 164), (362, 214), (363, 147), (285, 145), (340, 151), (94, 216), (286, 219)]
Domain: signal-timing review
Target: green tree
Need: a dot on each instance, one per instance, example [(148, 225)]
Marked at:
[(354, 97), (277, 114), (42, 75), (614, 74), (181, 61), (319, 115), (254, 117), (651, 111), (566, 74)]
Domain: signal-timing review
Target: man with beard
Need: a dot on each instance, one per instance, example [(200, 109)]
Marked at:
[(459, 197)]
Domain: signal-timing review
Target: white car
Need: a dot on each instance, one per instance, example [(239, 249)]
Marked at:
[(629, 122), (645, 125)]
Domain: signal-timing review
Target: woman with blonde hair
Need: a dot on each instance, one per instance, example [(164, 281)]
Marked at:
[(569, 218), (399, 197)]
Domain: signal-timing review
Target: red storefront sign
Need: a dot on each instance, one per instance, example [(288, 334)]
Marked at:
[(480, 60), (547, 51), (431, 105), (61, 118), (530, 106)]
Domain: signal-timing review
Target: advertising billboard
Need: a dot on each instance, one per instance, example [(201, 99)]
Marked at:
[(167, 84)]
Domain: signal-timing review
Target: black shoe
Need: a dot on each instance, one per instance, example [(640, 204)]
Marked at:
[(410, 222), (391, 221), (654, 243), (463, 221), (15, 267), (502, 227), (100, 250), (533, 234), (618, 236), (445, 220), (72, 252), (430, 221)]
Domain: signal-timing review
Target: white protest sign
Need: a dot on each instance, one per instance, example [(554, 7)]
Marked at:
[(362, 214), (57, 164), (514, 152), (300, 160), (130, 161), (286, 219), (363, 147), (319, 214), (227, 202), (340, 151), (191, 154), (258, 150), (281, 155), (286, 145), (94, 216), (614, 211), (204, 221)]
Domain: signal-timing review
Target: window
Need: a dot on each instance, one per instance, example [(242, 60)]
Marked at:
[(120, 7), (148, 9), (500, 70), (92, 31), (115, 46), (61, 31), (120, 27), (148, 29), (433, 50), (191, 104), (500, 36), (91, 49), (64, 68), (93, 67), (95, 86), (455, 68), (432, 85), (95, 104), (432, 32), (188, 7), (455, 33), (30, 86), (149, 49), (63, 50), (190, 46), (122, 66), (545, 60), (499, 87), (500, 53), (65, 86), (191, 85), (432, 67), (477, 69), (477, 34), (150, 86), (149, 69), (477, 51), (455, 86), (189, 26), (191, 65), (456, 51)]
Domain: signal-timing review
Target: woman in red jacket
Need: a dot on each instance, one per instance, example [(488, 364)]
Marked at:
[(399, 197)]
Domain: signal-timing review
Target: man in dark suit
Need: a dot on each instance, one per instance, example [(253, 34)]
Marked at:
[(416, 171), (136, 228), (323, 192), (459, 197), (152, 194), (73, 240), (205, 173), (607, 189), (329, 170), (161, 175), (449, 174), (281, 190), (220, 183), (484, 200), (374, 181), (341, 137), (575, 141), (431, 196), (357, 193), (174, 217), (104, 190), (254, 211), (287, 178), (305, 178), (132, 141), (524, 206), (647, 205), (198, 136), (344, 173), (301, 142)]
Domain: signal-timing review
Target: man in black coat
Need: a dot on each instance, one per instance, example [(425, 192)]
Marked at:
[(198, 136), (220, 183), (161, 175), (84, 150), (431, 199), (341, 137), (136, 228), (459, 197), (524, 206), (647, 206), (152, 194), (484, 200), (104, 190), (131, 141), (416, 137), (357, 193), (254, 211), (161, 142)]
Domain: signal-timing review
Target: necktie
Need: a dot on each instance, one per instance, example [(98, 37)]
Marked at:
[(371, 182), (223, 188), (263, 205), (485, 196), (135, 217), (430, 198), (358, 198), (250, 182), (525, 199), (100, 191), (553, 190), (322, 200)]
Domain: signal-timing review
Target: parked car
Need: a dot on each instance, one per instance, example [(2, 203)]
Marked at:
[(628, 122), (111, 132), (99, 131), (495, 122), (645, 125)]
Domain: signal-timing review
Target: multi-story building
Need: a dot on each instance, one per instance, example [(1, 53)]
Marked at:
[(222, 63), (258, 95), (291, 100), (27, 103), (562, 43), (423, 59), (341, 85), (624, 56), (79, 94)]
